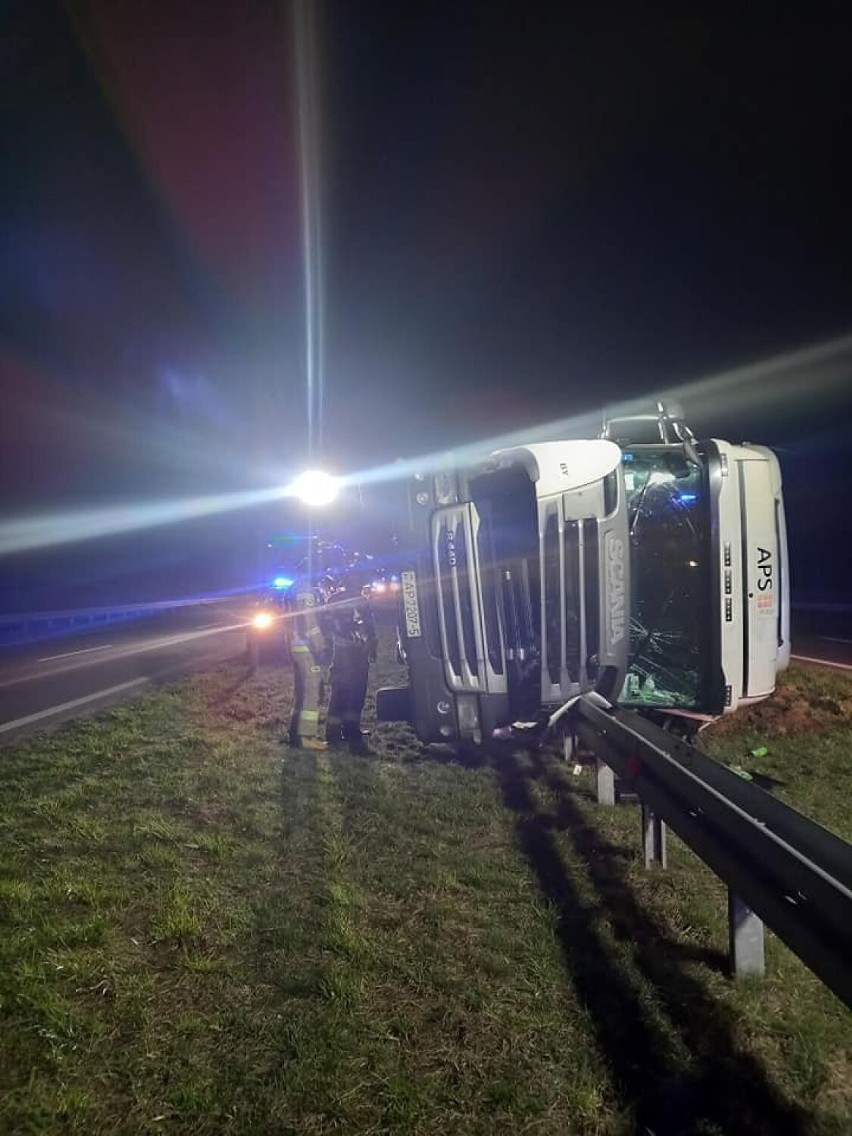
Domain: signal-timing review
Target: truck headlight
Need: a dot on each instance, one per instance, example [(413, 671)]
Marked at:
[(262, 621)]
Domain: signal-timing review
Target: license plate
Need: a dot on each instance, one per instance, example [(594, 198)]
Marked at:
[(410, 605)]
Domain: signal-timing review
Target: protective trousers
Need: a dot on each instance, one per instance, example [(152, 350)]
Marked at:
[(307, 675), (349, 672)]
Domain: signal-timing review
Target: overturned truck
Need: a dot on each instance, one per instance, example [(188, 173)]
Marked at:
[(644, 565)]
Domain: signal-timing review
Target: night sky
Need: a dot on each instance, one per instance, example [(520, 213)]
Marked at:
[(524, 217)]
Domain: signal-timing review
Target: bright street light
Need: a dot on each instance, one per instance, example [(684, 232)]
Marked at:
[(315, 488)]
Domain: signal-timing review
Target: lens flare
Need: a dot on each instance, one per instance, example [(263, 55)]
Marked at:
[(819, 375), (29, 533), (309, 123), (315, 488)]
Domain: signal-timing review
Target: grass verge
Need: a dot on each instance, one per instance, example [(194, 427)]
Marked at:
[(202, 930)]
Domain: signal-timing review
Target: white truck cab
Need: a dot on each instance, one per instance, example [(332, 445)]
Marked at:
[(710, 602)]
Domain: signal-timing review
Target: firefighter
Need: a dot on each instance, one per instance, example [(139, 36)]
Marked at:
[(308, 650), (349, 619)]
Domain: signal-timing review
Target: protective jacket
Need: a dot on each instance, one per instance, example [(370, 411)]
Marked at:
[(308, 649)]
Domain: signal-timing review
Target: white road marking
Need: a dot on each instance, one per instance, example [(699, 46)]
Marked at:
[(72, 705), (135, 649), (821, 662), (833, 639), (68, 654)]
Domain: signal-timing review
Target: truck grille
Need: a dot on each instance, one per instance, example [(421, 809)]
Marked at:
[(570, 603), (469, 628)]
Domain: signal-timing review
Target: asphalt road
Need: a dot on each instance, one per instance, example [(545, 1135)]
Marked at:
[(55, 680), (833, 651), (44, 684)]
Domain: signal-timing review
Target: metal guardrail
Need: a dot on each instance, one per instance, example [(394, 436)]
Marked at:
[(822, 617), (779, 866), (829, 608), (22, 627)]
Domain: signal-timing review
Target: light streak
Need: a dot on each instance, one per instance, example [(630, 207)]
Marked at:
[(819, 374), (308, 115), (25, 534), (29, 533)]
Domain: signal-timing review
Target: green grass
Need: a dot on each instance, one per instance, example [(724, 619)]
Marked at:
[(807, 729), (204, 931)]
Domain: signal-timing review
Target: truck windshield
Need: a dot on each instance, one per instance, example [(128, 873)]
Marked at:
[(669, 511)]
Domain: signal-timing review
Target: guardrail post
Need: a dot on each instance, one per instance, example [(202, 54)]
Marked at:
[(653, 839), (606, 783), (569, 746), (745, 937)]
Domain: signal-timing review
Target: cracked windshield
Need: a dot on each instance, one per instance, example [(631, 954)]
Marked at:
[(669, 634)]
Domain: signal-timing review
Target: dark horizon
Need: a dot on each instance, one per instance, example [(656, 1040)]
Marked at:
[(523, 220)]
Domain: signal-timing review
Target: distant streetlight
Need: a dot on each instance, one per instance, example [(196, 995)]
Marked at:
[(315, 488)]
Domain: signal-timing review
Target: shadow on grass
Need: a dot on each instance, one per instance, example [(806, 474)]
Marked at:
[(474, 758), (728, 1089)]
